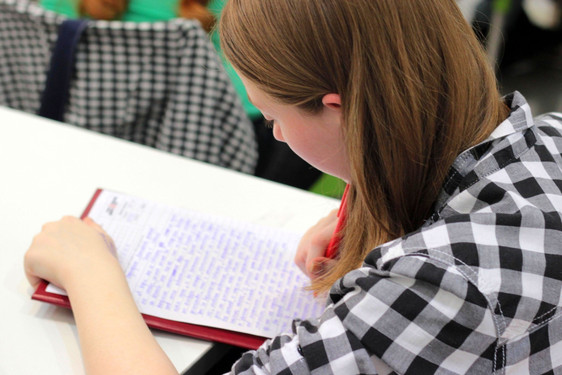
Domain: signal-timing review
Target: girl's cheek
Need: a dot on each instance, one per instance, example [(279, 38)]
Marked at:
[(277, 134)]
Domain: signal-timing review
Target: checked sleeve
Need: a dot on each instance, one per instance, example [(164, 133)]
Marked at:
[(418, 317)]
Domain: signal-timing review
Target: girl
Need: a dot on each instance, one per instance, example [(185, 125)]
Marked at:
[(450, 243)]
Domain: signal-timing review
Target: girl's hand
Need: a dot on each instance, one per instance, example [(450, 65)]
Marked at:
[(77, 256), (312, 247), (66, 249)]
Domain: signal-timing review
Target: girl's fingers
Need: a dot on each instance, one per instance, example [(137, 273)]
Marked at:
[(65, 247), (320, 265), (107, 239), (93, 224), (33, 280), (317, 246), (314, 243)]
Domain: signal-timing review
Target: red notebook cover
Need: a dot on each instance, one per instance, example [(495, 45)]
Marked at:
[(240, 339)]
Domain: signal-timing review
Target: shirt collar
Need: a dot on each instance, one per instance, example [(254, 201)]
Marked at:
[(511, 135), (519, 119)]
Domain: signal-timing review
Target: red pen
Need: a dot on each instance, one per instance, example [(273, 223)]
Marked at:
[(332, 249)]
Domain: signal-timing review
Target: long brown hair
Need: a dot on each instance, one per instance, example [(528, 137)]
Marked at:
[(113, 9), (416, 90)]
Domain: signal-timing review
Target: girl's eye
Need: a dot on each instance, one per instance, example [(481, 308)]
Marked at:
[(269, 123)]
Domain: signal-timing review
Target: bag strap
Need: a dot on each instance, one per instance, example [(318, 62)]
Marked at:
[(57, 86)]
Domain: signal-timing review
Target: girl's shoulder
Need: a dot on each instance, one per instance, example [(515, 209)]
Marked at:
[(552, 119)]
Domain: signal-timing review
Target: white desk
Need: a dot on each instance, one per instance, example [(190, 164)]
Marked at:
[(49, 170)]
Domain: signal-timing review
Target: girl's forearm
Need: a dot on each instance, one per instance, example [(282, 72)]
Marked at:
[(113, 336)]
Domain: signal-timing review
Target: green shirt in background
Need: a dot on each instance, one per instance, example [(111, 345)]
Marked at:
[(163, 10), (65, 7), (151, 11), (138, 11)]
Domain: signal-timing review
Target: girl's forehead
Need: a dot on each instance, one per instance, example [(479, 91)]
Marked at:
[(256, 95)]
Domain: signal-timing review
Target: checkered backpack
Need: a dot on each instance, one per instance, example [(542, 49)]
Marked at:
[(160, 84)]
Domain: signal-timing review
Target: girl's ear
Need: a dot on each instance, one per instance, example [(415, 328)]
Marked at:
[(332, 101)]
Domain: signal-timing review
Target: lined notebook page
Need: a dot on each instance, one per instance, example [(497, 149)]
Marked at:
[(201, 269)]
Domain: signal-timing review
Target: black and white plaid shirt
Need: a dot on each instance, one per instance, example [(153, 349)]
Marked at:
[(160, 84), (476, 290)]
